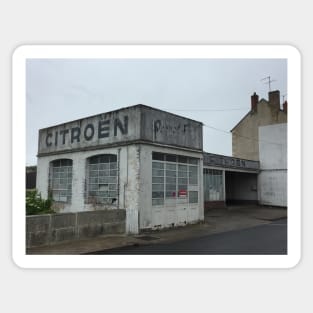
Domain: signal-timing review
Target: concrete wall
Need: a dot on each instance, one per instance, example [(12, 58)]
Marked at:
[(53, 228), (170, 129), (273, 147), (91, 132), (133, 124), (273, 188), (242, 145), (272, 179)]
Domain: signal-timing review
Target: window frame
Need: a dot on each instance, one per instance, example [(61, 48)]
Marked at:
[(67, 172), (99, 187), (180, 161), (213, 178)]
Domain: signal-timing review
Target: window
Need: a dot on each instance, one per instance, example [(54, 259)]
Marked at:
[(102, 179), (157, 183), (193, 196), (172, 177), (60, 180), (213, 185)]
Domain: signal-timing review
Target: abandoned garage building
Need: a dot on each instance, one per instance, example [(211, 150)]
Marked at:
[(142, 159)]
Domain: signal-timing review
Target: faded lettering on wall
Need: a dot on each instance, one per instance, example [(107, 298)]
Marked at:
[(87, 133)]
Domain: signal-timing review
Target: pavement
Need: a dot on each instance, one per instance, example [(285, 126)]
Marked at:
[(216, 221)]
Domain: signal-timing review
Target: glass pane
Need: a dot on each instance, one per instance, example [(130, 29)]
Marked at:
[(158, 194), (93, 180), (183, 181), (112, 193), (182, 159), (170, 194), (157, 172), (157, 180), (192, 160), (170, 187), (104, 166), (157, 156), (113, 173), (170, 166), (170, 173), (170, 157), (112, 179), (182, 168), (157, 187), (93, 167), (193, 175), (113, 165), (193, 196), (157, 165), (102, 173), (171, 180)]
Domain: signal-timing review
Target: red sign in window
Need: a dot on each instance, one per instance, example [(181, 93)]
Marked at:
[(182, 192)]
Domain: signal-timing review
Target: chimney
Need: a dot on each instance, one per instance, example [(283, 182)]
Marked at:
[(254, 102), (285, 106), (274, 99)]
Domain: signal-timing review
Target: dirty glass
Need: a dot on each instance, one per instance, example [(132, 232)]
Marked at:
[(213, 185), (171, 178), (102, 178), (60, 180)]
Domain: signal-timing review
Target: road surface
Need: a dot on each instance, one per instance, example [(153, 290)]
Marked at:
[(269, 239)]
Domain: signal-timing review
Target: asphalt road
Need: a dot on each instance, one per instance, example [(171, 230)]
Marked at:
[(265, 239)]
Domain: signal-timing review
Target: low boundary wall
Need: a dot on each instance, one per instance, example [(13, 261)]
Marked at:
[(54, 228)]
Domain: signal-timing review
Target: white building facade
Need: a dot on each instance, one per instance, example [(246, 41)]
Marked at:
[(137, 158), (272, 179)]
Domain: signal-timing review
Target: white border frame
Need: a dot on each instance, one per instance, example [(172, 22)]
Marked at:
[(156, 51)]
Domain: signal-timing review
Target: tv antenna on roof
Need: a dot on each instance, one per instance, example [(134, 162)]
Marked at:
[(269, 81)]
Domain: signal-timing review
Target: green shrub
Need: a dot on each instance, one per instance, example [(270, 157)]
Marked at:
[(36, 205)]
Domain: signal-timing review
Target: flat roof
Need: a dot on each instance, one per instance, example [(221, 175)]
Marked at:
[(122, 109), (223, 161)]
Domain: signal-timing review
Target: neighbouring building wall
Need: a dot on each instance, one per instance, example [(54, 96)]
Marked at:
[(245, 134), (31, 177), (272, 179), (273, 188)]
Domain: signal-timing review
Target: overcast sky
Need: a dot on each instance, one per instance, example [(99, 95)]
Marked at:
[(214, 91)]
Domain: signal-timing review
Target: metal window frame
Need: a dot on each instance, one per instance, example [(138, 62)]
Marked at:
[(55, 168), (101, 197), (190, 163)]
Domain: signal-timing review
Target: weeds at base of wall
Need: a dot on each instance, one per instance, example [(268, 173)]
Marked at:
[(35, 205)]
